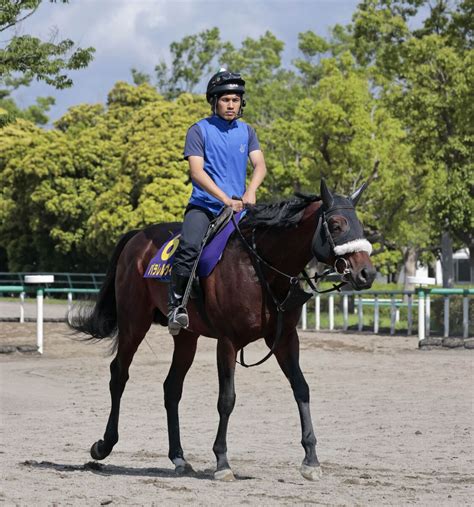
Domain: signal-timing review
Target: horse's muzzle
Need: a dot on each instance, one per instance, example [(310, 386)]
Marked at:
[(363, 278), (360, 272)]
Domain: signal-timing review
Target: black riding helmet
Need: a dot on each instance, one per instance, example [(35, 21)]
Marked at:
[(222, 82)]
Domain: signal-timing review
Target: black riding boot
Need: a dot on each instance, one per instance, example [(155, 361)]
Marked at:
[(177, 314)]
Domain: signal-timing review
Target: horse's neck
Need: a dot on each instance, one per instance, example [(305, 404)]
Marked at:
[(289, 250)]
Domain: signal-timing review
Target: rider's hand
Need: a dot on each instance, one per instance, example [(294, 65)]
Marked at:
[(249, 197), (235, 204)]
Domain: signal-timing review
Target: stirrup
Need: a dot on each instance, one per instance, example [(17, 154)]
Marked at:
[(177, 320)]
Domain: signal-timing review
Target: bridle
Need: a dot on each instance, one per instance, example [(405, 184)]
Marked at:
[(296, 296), (340, 265)]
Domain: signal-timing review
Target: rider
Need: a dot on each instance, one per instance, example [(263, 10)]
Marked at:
[(217, 149)]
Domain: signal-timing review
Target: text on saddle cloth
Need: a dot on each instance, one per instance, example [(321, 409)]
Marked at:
[(160, 265)]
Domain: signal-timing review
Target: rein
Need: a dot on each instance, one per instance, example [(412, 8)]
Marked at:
[(293, 279), (295, 297)]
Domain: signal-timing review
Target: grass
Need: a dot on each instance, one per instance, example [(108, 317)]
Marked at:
[(48, 300)]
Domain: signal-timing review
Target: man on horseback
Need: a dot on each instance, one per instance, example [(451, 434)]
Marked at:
[(217, 149)]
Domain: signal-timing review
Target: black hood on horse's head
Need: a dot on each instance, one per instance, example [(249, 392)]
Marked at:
[(343, 206), (349, 240)]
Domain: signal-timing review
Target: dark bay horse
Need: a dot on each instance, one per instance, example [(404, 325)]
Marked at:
[(236, 308)]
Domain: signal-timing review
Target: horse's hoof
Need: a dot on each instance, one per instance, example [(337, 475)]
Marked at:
[(225, 475), (96, 452), (182, 467), (311, 473)]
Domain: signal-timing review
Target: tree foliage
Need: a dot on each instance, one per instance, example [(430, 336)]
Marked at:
[(25, 57), (425, 79), (192, 58), (70, 193), (377, 101)]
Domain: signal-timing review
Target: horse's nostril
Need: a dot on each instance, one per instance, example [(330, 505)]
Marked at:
[(363, 275)]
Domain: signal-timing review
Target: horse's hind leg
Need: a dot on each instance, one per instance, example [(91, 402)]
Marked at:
[(287, 355), (128, 342), (183, 356), (226, 356)]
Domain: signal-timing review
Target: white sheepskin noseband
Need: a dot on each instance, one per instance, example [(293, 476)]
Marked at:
[(357, 245)]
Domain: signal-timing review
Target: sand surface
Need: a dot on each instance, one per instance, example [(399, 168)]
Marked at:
[(394, 425)]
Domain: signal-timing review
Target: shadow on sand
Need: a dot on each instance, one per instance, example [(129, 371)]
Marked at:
[(99, 468)]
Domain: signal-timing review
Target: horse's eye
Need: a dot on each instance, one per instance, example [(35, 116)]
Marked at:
[(338, 226)]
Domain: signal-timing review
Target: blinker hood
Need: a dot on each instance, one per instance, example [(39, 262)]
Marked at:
[(324, 243)]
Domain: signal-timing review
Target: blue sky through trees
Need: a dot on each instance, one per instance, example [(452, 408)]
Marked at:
[(137, 33)]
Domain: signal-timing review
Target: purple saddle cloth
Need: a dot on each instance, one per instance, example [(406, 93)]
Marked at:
[(160, 265)]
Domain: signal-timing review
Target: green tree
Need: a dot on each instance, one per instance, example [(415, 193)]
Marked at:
[(67, 194), (36, 113), (341, 131), (192, 58), (151, 184), (424, 76), (24, 58), (270, 90)]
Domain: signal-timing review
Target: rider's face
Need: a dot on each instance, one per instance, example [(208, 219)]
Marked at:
[(228, 106)]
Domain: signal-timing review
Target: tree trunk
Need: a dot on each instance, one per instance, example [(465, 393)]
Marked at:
[(410, 256), (447, 263)]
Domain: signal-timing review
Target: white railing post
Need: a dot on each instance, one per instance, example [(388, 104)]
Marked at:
[(69, 302), (421, 315), (331, 312), (376, 314), (317, 312), (40, 281), (303, 318), (39, 320), (410, 314), (22, 307), (345, 311), (465, 317)]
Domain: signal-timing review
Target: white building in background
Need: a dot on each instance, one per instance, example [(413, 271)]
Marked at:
[(462, 269)]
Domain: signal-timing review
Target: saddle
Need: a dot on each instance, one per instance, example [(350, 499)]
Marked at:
[(216, 225), (213, 245)]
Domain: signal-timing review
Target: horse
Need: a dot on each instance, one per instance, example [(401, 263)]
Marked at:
[(240, 303)]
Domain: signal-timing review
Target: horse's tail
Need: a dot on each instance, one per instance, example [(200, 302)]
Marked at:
[(100, 321)]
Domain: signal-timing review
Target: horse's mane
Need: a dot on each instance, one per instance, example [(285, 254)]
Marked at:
[(282, 214)]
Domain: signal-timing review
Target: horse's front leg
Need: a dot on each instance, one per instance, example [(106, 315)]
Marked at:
[(184, 351), (226, 356), (287, 355)]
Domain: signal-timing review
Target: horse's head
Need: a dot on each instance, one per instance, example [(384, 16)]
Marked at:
[(339, 239)]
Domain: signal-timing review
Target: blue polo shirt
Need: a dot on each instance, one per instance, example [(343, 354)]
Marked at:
[(225, 147)]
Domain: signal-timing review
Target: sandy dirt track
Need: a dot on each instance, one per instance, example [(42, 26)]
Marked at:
[(394, 425)]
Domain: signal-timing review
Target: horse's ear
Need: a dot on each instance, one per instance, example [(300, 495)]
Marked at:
[(326, 195), (356, 195)]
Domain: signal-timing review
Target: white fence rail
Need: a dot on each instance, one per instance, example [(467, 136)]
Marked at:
[(391, 311)]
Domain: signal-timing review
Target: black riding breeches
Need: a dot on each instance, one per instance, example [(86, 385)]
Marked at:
[(195, 224)]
